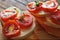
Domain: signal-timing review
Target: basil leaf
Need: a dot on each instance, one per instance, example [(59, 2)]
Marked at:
[(37, 3), (21, 18)]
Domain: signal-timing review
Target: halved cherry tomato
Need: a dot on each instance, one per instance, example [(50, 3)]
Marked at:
[(50, 6), (8, 14), (56, 17), (25, 21), (11, 29), (34, 7)]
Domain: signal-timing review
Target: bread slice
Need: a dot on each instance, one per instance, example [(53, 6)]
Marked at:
[(26, 32)]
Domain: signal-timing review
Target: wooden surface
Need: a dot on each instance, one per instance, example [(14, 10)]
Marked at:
[(38, 33)]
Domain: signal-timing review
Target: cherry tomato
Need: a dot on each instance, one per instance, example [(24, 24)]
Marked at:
[(50, 6), (25, 21), (56, 17), (34, 7), (11, 29), (8, 14)]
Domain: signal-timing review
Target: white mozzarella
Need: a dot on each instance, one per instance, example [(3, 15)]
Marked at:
[(42, 13), (45, 5), (33, 5), (7, 14)]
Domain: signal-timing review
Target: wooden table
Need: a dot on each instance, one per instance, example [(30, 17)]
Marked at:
[(38, 33)]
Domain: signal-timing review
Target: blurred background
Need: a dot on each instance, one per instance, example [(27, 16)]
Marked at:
[(38, 33), (17, 3), (21, 4)]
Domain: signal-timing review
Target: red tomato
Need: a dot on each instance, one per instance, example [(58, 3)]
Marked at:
[(8, 14), (11, 29), (50, 6), (53, 0), (56, 17), (25, 21), (35, 8)]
